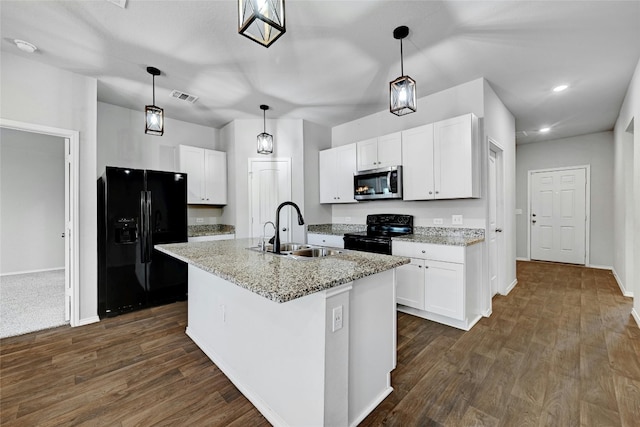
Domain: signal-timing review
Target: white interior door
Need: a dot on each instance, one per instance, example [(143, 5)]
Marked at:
[(492, 232), (558, 215), (270, 185)]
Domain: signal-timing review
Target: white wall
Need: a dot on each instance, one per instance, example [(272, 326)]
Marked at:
[(31, 201), (592, 149), (627, 232), (239, 141), (462, 99), (40, 94), (316, 138), (123, 143)]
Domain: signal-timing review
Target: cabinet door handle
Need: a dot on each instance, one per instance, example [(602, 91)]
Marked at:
[(534, 221), (430, 192), (426, 266), (498, 230), (423, 252), (437, 192)]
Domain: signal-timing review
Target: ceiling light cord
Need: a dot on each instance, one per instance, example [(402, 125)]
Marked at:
[(154, 88), (401, 60)]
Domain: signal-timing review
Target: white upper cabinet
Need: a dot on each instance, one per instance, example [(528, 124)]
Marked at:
[(380, 152), (417, 163), (337, 166), (442, 160), (206, 175)]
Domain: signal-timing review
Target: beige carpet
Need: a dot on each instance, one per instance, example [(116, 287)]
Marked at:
[(31, 302)]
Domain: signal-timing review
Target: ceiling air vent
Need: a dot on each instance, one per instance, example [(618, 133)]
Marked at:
[(121, 3), (184, 96)]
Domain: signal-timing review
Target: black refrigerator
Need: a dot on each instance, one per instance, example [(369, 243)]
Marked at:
[(138, 209)]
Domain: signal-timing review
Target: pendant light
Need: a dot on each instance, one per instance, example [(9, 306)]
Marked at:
[(402, 91), (154, 116), (265, 141), (261, 20)]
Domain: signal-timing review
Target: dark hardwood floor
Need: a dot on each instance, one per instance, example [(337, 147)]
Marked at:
[(560, 350)]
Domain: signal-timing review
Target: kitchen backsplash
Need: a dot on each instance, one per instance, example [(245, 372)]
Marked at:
[(202, 215)]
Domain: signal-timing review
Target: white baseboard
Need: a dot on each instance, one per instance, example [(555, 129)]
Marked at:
[(636, 316), (600, 267), (623, 289), (87, 321), (510, 287), (522, 259), (488, 313), (15, 273), (378, 400)]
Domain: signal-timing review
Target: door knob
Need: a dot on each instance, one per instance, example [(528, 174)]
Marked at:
[(499, 230), (62, 235), (284, 228)]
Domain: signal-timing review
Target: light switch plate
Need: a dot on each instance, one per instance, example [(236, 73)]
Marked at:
[(437, 221), (456, 219)]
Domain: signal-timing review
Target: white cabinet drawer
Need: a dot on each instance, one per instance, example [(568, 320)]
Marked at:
[(444, 253), (330, 240)]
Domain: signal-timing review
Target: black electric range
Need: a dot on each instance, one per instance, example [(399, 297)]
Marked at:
[(380, 229)]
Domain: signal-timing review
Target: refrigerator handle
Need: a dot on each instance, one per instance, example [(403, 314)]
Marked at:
[(149, 240), (143, 227)]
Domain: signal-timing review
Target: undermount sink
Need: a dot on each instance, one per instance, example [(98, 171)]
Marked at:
[(316, 252), (299, 251)]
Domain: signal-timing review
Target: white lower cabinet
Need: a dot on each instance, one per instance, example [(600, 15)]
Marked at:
[(442, 283), (444, 288), (410, 284), (330, 240)]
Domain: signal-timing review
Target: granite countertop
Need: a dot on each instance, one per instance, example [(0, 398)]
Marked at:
[(335, 229), (276, 277), (209, 230), (444, 236)]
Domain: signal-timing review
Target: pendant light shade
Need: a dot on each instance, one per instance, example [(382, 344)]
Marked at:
[(402, 91), (154, 116), (261, 20), (265, 141)]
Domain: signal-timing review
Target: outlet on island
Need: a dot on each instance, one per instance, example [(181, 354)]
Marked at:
[(337, 319)]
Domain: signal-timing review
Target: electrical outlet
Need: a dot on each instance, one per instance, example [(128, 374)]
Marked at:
[(456, 219), (437, 221), (337, 319), (199, 220)]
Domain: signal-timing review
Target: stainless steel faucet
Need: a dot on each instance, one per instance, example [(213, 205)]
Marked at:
[(276, 243), (263, 244)]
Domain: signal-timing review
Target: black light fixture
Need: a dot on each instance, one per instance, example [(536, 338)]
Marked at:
[(402, 91), (261, 20), (265, 141), (154, 116)]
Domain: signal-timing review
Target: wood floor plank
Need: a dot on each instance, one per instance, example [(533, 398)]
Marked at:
[(628, 397), (560, 350)]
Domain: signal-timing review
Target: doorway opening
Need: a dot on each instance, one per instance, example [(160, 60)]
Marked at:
[(559, 216), (68, 228)]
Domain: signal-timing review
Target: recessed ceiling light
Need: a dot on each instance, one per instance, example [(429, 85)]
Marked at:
[(25, 46), (560, 88), (544, 130)]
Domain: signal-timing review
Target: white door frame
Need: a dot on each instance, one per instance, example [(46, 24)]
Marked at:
[(501, 216), (252, 160), (72, 264), (587, 231)]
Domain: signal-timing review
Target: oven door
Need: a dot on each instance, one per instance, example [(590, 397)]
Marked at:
[(368, 244)]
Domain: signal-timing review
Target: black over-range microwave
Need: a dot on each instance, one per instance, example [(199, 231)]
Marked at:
[(376, 184)]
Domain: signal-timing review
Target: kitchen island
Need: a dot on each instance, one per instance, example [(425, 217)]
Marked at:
[(308, 341)]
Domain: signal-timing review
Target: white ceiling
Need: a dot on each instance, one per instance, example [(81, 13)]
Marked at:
[(336, 59)]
